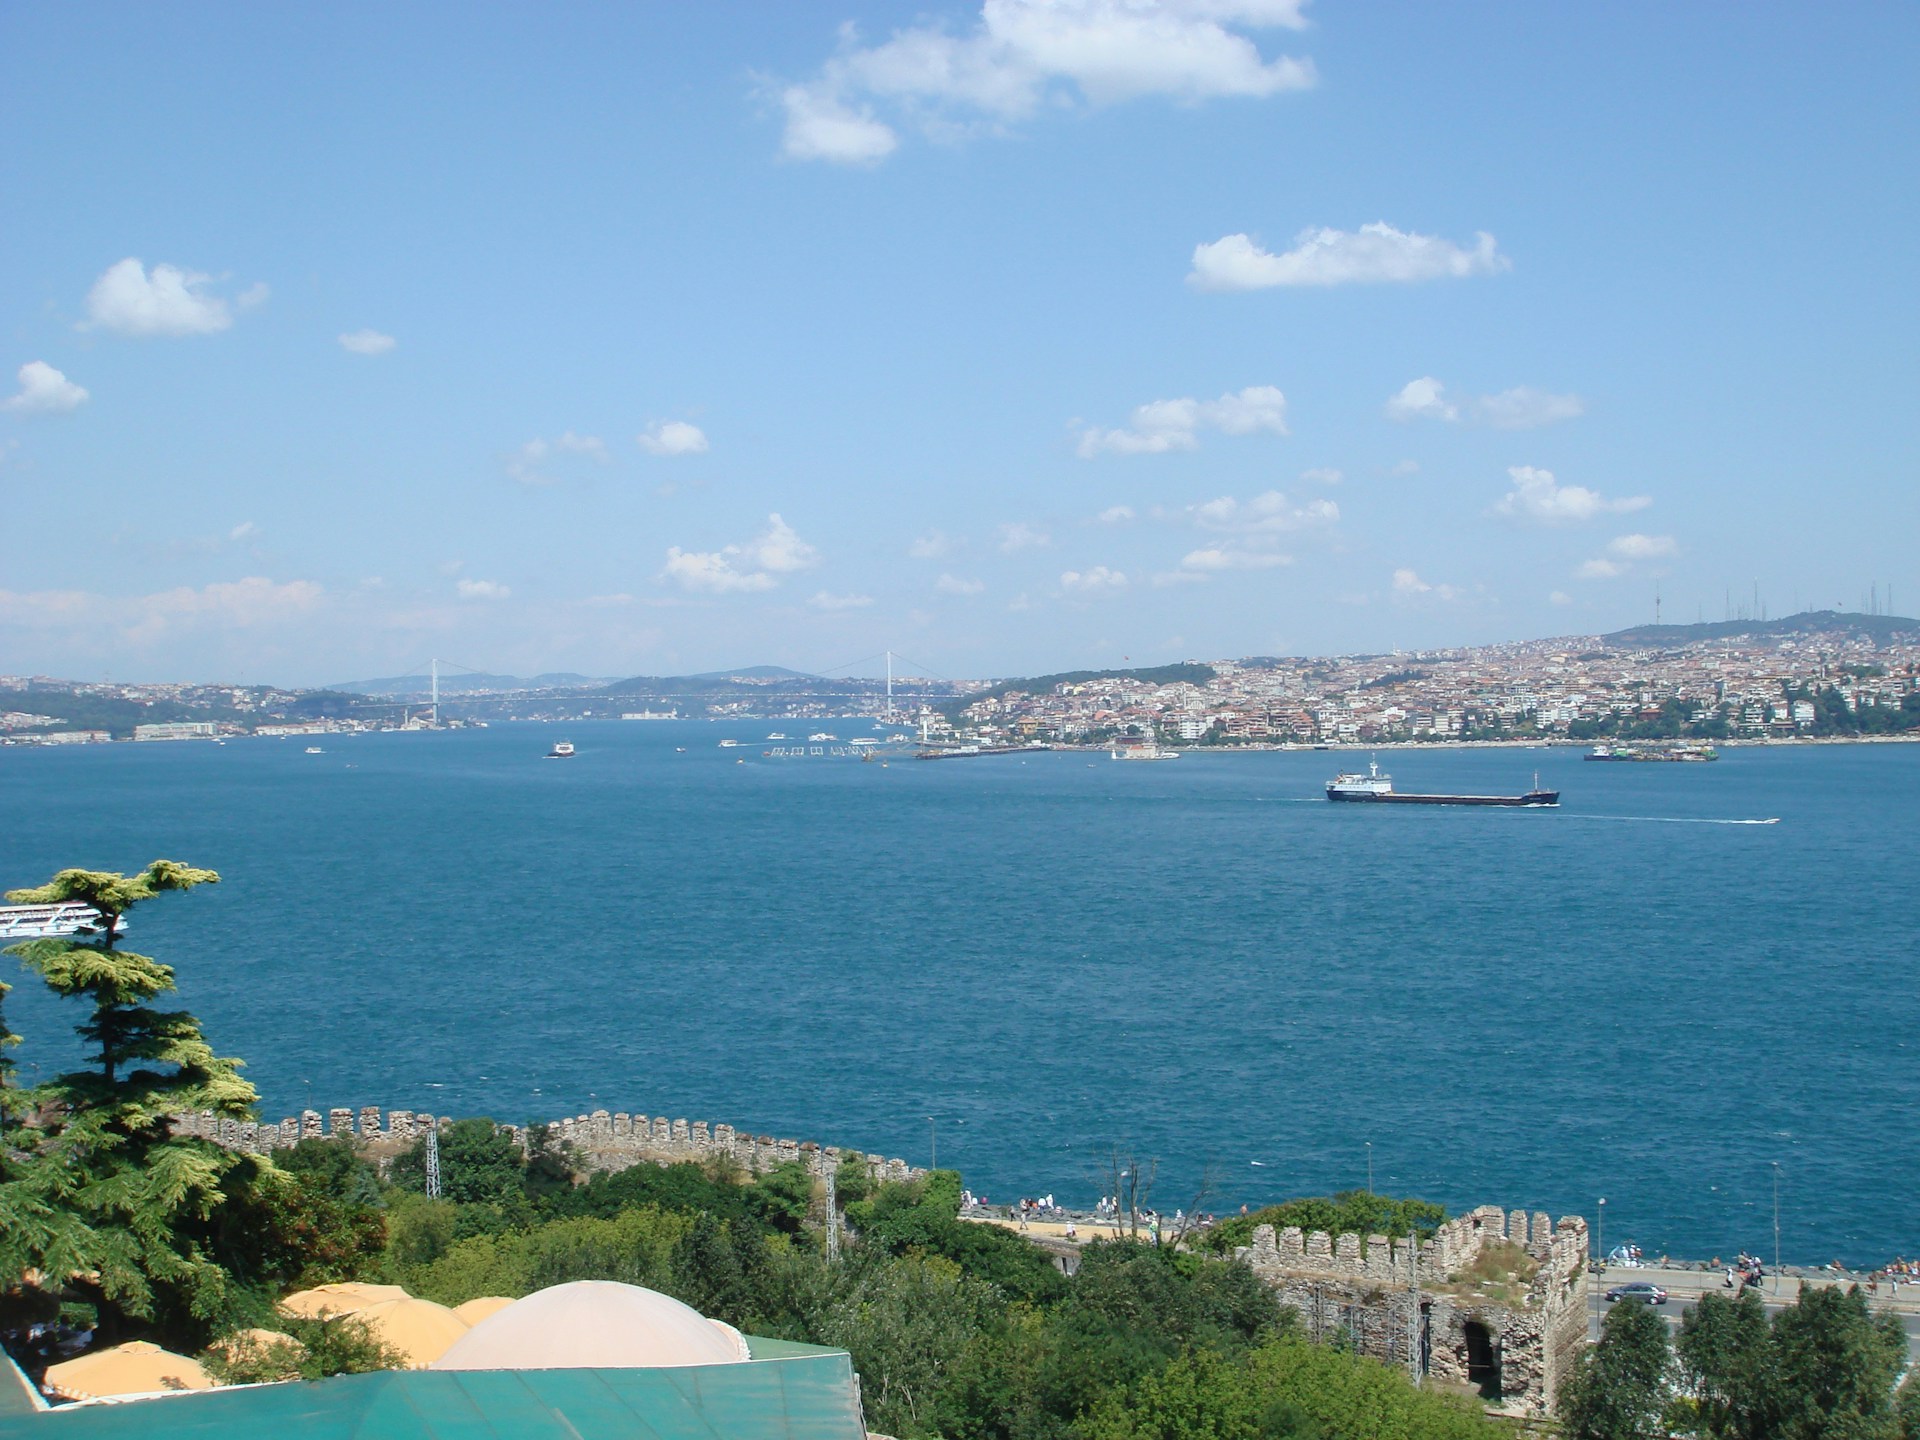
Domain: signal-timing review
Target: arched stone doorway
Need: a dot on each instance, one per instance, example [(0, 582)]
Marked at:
[(1483, 1359)]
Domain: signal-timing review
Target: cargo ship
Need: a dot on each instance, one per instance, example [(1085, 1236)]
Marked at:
[(1375, 788), (1681, 753)]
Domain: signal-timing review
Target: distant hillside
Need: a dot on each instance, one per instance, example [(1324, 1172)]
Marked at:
[(1879, 628), (753, 680), (465, 684), (754, 672), (1187, 673)]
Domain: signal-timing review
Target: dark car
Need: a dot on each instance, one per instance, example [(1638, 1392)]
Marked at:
[(1644, 1290)]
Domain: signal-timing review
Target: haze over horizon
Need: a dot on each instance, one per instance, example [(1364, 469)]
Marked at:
[(1014, 337)]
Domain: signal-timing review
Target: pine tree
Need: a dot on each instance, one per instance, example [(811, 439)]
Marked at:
[(102, 1201)]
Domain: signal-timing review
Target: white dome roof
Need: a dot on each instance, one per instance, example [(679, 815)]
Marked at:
[(594, 1324)]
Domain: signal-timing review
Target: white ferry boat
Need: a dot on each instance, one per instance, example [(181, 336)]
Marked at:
[(729, 744), (562, 751), (1149, 750), (39, 922), (821, 735)]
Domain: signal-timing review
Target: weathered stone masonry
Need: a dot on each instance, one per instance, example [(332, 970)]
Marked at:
[(1515, 1354), (598, 1141)]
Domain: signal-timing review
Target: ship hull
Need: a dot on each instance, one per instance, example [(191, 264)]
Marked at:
[(1533, 800)]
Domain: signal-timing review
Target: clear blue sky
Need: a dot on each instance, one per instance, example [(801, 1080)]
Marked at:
[(339, 337)]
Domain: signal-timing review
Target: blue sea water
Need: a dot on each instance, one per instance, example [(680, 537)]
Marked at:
[(1199, 962)]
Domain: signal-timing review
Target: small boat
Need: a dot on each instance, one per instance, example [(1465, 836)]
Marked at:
[(562, 751), (315, 750), (729, 744), (821, 735), (777, 735)]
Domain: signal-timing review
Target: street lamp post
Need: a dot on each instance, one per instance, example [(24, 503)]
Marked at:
[(1369, 1167), (933, 1144), (1603, 1230), (1776, 1227)]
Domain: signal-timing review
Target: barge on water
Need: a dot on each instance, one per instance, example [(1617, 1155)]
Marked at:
[(1375, 788)]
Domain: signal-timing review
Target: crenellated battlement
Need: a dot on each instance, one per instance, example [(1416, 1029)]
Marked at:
[(600, 1140), (1422, 1304)]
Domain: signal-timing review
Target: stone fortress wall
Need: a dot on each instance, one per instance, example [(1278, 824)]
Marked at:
[(1412, 1305), (598, 1141)]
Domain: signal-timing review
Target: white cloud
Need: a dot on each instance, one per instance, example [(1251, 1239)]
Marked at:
[(43, 391), (1322, 475), (1524, 408), (757, 564), (1018, 535), (823, 600), (954, 585), (1559, 597), (1163, 425), (930, 546), (1024, 56), (482, 590), (169, 301), (367, 342), (1422, 398), (1643, 547), (1373, 254), (245, 530), (675, 437), (1268, 514), (1216, 558), (254, 295), (1624, 552), (1541, 500), (1521, 408), (1116, 515), (528, 463), (1097, 581), (1405, 467), (250, 603), (821, 126), (1165, 578), (1408, 585), (591, 446)]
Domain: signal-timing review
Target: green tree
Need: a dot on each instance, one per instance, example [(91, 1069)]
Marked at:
[(102, 1198), (1725, 1351), (479, 1165), (1906, 1405), (1836, 1364), (1621, 1388), (303, 1350)]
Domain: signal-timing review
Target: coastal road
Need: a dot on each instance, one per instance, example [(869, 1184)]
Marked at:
[(1686, 1286)]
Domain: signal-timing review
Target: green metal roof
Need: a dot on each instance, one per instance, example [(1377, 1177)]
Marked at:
[(17, 1395), (809, 1396)]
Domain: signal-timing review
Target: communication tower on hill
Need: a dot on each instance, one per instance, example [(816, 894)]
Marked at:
[(433, 1161)]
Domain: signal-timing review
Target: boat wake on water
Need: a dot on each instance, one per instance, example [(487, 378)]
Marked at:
[(1677, 819)]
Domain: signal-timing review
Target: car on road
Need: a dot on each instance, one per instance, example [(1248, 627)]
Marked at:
[(1642, 1290)]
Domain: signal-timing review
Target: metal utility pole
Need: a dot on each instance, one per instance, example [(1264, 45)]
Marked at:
[(436, 691), (1602, 1248), (433, 1161), (1369, 1167), (833, 1221), (889, 685), (933, 1144)]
